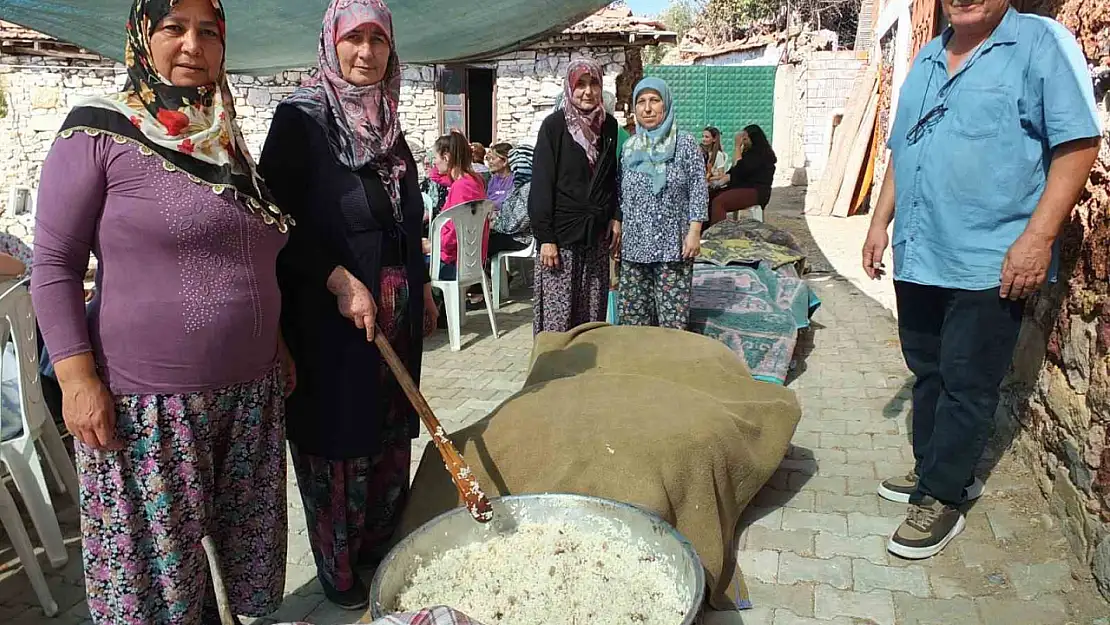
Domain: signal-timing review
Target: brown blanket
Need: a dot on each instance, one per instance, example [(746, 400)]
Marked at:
[(667, 420)]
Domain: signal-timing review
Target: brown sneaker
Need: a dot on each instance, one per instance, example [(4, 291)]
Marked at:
[(899, 489), (928, 528)]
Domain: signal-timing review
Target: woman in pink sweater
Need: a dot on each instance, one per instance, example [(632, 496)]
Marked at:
[(453, 169)]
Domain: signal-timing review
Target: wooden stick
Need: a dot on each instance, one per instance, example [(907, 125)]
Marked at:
[(222, 602), (476, 501)]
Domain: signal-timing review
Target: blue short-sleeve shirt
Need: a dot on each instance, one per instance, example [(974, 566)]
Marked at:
[(971, 151)]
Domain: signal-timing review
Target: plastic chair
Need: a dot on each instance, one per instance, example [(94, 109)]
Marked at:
[(500, 270), (470, 220), (20, 455), (13, 526), (755, 212)]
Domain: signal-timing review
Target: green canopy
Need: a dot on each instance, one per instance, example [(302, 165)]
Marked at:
[(271, 35)]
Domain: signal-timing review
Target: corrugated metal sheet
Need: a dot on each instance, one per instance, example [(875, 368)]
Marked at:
[(729, 98)]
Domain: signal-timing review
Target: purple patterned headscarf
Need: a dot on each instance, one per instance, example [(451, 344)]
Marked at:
[(584, 126), (361, 123)]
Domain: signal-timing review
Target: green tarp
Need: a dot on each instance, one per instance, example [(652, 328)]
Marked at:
[(268, 35)]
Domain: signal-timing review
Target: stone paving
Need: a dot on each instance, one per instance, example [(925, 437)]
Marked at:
[(812, 545)]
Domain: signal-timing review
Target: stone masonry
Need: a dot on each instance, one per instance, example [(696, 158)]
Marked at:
[(38, 93), (826, 82), (1057, 403)]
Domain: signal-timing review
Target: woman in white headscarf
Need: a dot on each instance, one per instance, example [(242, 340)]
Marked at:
[(573, 205)]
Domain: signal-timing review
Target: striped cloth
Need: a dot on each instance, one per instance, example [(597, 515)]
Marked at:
[(520, 163)]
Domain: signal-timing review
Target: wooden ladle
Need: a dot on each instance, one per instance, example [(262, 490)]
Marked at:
[(476, 501)]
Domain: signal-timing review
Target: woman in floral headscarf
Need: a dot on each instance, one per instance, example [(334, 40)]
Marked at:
[(171, 386), (337, 160), (573, 205)]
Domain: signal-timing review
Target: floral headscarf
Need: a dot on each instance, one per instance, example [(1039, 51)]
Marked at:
[(191, 128), (649, 151), (584, 126), (361, 123)]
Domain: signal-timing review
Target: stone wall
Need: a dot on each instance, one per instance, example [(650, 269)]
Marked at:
[(528, 83), (826, 80), (1056, 406), (38, 92)]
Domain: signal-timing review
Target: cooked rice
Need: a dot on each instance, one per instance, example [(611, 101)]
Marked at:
[(551, 574)]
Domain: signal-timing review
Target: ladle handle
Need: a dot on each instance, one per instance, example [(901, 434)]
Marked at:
[(476, 501)]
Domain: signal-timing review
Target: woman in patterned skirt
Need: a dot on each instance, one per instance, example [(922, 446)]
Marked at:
[(664, 200), (172, 385), (338, 162), (573, 205)]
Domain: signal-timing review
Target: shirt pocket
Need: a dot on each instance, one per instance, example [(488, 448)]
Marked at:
[(980, 112)]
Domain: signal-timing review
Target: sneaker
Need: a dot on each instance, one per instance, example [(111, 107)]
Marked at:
[(928, 528), (356, 597), (899, 489)]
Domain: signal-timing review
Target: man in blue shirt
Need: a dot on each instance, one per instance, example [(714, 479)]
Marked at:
[(993, 140)]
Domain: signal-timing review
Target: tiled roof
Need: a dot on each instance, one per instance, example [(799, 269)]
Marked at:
[(15, 32), (610, 21)]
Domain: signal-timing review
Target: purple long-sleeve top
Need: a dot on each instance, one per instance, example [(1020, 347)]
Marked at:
[(187, 296), (499, 187)]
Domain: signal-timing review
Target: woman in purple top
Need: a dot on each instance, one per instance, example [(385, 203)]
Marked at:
[(337, 160), (500, 183), (173, 385)]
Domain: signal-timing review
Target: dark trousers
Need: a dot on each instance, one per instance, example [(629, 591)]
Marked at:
[(959, 346)]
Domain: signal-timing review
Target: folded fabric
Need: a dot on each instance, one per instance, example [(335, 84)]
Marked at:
[(750, 242), (662, 419), (755, 311)]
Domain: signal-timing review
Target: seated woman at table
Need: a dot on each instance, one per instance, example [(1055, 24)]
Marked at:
[(749, 180)]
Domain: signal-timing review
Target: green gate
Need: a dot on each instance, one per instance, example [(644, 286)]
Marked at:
[(729, 98)]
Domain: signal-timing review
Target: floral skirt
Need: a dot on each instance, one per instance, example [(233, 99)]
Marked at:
[(196, 464), (574, 293), (352, 506)]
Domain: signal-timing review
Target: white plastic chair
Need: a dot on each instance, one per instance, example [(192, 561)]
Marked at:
[(469, 220), (20, 455), (13, 526), (500, 270)]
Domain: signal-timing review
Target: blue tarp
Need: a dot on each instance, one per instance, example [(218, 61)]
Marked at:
[(270, 35)]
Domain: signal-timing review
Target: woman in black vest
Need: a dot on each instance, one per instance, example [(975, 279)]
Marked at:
[(337, 160), (573, 205)]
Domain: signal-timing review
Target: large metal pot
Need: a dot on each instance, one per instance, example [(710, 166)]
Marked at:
[(455, 528)]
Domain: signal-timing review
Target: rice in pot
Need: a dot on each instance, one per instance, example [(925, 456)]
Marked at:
[(551, 574)]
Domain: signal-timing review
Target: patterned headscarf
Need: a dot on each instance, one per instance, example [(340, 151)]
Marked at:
[(584, 126), (361, 123), (193, 128), (649, 151)]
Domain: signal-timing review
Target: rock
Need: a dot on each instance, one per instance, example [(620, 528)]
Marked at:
[(1077, 352), (258, 97), (1068, 506), (1100, 566), (44, 97), (1065, 404)]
